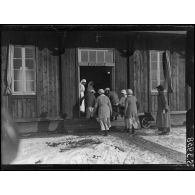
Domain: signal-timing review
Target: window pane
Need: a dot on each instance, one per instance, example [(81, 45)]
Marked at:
[(17, 52), (84, 56), (29, 52), (109, 56), (29, 63), (30, 86), (29, 75), (17, 74), (92, 56), (18, 86), (153, 56), (100, 56), (17, 63)]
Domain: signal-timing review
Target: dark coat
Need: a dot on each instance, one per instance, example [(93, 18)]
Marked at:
[(114, 99), (90, 99), (162, 119)]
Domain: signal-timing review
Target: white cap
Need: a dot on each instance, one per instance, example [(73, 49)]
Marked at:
[(100, 91), (92, 91), (83, 81), (124, 91), (129, 92), (107, 89)]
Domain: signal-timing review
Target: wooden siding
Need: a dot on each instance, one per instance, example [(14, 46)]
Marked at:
[(70, 106), (139, 81), (57, 72), (4, 98), (177, 99), (120, 71), (139, 77), (47, 99), (23, 107)]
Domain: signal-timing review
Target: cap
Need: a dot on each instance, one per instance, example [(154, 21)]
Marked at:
[(107, 89), (100, 91), (83, 81), (129, 92), (124, 91)]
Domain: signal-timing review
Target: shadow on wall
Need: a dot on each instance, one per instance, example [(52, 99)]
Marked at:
[(43, 125), (75, 109)]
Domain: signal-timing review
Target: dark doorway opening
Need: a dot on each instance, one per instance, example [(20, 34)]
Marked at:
[(100, 75)]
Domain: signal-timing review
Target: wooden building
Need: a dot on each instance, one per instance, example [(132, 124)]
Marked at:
[(46, 67)]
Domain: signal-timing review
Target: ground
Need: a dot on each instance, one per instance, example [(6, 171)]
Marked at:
[(145, 147)]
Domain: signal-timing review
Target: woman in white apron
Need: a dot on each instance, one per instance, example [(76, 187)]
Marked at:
[(82, 94)]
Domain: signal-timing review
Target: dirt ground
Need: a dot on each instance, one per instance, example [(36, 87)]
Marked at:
[(145, 147)]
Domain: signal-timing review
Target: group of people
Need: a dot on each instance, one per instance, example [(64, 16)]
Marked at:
[(106, 105)]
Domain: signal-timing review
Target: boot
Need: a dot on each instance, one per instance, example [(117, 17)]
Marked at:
[(133, 130), (105, 133)]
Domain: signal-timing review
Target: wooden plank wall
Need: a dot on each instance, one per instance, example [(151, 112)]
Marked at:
[(139, 82), (47, 98), (139, 77), (70, 107), (120, 71), (4, 98), (178, 99)]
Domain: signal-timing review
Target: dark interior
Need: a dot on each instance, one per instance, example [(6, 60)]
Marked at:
[(101, 75)]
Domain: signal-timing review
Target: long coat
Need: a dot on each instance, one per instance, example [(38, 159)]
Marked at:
[(104, 107), (162, 119), (131, 107), (90, 100), (114, 99)]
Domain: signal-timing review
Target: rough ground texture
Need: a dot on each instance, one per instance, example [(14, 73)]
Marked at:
[(145, 147)]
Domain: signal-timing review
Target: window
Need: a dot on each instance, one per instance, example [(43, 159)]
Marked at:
[(156, 69), (23, 71), (96, 57)]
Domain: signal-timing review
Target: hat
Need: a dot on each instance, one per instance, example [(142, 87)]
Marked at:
[(92, 91), (129, 92), (107, 89), (100, 91), (123, 91), (83, 81), (160, 87)]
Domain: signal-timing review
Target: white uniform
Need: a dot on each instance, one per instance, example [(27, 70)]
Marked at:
[(82, 93)]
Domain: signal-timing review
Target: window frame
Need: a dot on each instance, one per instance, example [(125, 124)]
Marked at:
[(24, 92), (96, 63), (159, 60)]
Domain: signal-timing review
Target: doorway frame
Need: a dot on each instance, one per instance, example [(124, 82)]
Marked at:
[(78, 72)]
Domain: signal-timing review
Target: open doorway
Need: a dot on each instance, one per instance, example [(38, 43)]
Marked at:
[(102, 76)]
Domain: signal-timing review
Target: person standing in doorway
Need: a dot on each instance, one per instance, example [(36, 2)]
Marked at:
[(90, 103), (104, 111), (122, 102), (90, 86), (82, 95), (130, 112), (114, 99), (163, 113)]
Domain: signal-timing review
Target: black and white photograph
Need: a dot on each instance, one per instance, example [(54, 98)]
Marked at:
[(97, 95)]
